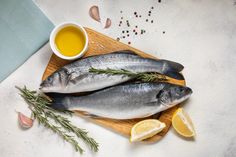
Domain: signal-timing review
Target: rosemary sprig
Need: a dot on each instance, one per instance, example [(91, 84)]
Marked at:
[(80, 133), (142, 76), (39, 106), (44, 120)]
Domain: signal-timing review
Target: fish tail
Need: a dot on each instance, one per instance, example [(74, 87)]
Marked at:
[(175, 75), (58, 102), (172, 69), (173, 66)]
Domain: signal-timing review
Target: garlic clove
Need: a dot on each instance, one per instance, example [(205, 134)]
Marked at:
[(24, 121), (94, 13), (108, 23)]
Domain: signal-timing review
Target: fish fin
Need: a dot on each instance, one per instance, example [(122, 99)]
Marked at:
[(172, 66), (175, 75), (58, 102), (87, 114), (125, 52), (152, 103)]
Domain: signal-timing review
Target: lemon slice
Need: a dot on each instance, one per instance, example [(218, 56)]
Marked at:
[(146, 129), (183, 124)]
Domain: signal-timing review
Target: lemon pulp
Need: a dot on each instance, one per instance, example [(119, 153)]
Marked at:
[(183, 124), (146, 129)]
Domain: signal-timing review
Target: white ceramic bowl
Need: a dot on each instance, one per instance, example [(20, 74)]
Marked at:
[(54, 47)]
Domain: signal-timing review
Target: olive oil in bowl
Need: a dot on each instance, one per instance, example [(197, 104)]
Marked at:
[(69, 41)]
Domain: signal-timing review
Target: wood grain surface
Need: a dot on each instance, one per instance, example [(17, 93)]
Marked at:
[(101, 44)]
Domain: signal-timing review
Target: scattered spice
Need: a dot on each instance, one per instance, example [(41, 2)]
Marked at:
[(135, 29), (127, 22), (143, 31)]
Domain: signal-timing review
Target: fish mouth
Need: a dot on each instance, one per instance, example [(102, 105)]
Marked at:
[(188, 94), (189, 91), (42, 89), (43, 86)]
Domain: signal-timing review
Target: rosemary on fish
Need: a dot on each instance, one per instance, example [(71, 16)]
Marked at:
[(142, 76), (39, 105)]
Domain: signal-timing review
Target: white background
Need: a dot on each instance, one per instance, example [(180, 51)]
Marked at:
[(200, 34)]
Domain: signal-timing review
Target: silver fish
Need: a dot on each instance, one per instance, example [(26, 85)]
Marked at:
[(127, 101), (75, 77)]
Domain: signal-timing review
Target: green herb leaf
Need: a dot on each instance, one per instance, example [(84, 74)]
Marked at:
[(142, 76), (39, 105)]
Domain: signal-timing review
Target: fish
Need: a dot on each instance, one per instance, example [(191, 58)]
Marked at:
[(75, 77), (126, 101)]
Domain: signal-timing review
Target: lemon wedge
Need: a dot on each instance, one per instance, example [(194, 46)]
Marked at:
[(146, 129), (183, 124)]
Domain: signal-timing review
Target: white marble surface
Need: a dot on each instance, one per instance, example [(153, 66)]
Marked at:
[(200, 34)]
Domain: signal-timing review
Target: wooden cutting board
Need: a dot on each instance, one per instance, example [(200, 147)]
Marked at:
[(101, 44)]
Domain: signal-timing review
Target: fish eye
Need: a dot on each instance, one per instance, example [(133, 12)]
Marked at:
[(49, 79), (181, 89)]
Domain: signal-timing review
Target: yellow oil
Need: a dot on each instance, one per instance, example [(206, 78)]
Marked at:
[(70, 41)]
